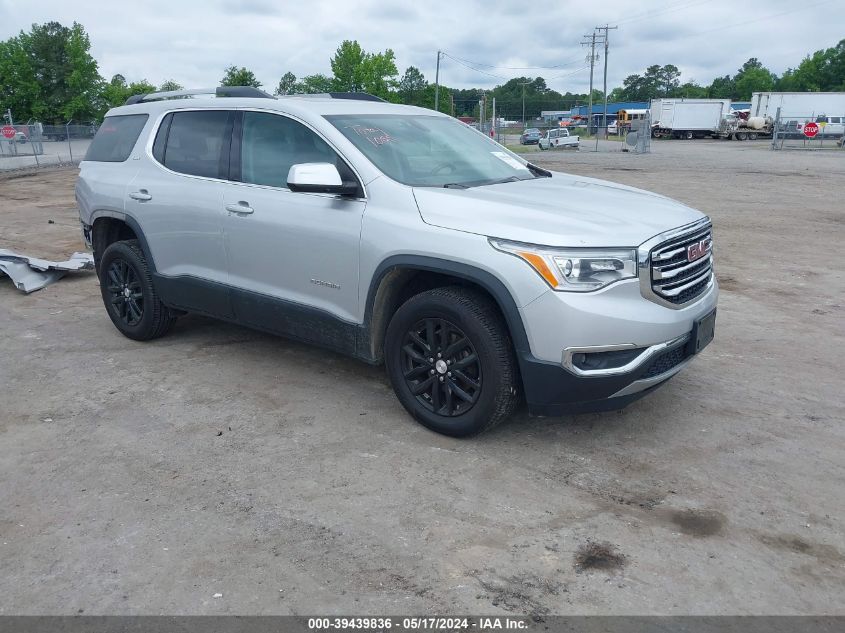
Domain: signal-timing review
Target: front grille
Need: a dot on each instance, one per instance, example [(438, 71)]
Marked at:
[(674, 278), (665, 361)]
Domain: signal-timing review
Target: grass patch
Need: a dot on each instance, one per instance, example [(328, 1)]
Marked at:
[(523, 149)]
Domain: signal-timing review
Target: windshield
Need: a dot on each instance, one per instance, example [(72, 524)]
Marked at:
[(430, 151)]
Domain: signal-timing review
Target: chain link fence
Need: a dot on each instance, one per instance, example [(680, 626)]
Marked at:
[(808, 131), (24, 146)]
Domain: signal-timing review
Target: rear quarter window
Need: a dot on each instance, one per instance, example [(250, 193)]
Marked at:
[(116, 137)]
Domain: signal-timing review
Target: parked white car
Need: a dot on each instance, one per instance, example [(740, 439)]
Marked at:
[(559, 138)]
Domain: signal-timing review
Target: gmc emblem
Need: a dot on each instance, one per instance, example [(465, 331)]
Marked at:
[(698, 250)]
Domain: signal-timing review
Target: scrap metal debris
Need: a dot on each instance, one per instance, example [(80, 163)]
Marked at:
[(31, 273)]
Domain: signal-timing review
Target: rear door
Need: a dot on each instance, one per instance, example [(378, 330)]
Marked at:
[(176, 196), (289, 253)]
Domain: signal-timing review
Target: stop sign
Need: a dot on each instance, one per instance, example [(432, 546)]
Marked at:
[(8, 131), (811, 129)]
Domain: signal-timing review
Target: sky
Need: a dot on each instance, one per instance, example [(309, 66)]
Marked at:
[(193, 41)]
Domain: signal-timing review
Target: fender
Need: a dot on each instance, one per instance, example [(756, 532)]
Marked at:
[(486, 280), (132, 223)]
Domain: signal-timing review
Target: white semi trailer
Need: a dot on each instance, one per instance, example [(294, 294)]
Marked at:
[(798, 104), (798, 108), (688, 118)]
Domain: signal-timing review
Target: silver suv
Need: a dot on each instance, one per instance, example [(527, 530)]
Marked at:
[(399, 236)]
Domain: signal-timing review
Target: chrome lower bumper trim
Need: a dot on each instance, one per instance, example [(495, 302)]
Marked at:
[(645, 383), (647, 353)]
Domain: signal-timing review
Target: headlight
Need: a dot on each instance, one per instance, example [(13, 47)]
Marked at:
[(575, 269)]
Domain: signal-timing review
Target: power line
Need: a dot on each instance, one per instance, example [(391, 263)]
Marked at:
[(760, 19), (669, 8), (563, 65)]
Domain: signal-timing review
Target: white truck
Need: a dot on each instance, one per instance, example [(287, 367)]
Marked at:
[(797, 108), (559, 138), (688, 118)]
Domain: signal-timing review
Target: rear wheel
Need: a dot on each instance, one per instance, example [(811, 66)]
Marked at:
[(741, 136), (752, 136), (450, 361), (129, 295)]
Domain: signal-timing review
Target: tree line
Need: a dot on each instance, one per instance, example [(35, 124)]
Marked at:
[(49, 75)]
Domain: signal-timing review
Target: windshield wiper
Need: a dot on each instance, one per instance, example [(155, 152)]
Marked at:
[(539, 171), (482, 183)]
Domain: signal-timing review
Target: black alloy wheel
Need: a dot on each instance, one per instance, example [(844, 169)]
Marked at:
[(125, 294), (441, 367), (128, 292), (451, 362)]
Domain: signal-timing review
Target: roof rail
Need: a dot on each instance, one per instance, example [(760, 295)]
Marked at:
[(220, 91), (357, 96)]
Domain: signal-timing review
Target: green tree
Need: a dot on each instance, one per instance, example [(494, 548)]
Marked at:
[(412, 86), (117, 91), (49, 74), (314, 84), (83, 80), (235, 76), (668, 80), (721, 88), (691, 90), (348, 67), (19, 91), (355, 70), (287, 84), (169, 85), (752, 77)]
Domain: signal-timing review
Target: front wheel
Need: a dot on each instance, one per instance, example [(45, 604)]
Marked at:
[(450, 361), (129, 295)]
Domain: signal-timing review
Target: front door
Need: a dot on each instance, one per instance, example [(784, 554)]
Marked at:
[(293, 257)]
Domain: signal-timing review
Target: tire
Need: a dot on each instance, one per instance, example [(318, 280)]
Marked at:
[(741, 136), (128, 293), (485, 390), (689, 136), (752, 136)]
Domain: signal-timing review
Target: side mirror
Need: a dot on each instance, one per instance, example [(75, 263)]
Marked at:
[(319, 178)]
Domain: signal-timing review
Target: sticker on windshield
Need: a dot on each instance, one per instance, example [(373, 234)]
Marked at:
[(510, 160)]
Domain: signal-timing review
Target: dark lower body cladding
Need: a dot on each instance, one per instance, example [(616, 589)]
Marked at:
[(551, 390)]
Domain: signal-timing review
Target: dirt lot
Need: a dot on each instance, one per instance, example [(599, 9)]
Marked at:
[(146, 478)]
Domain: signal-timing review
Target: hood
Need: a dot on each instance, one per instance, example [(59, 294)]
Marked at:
[(563, 210)]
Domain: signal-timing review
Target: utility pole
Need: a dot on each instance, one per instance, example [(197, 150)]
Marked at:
[(437, 84), (605, 28), (591, 40), (523, 84)]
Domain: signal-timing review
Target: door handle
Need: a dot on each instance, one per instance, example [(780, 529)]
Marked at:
[(141, 195), (241, 208)]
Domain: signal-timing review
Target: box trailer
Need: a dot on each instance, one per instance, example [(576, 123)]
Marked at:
[(688, 118), (798, 104), (798, 108)]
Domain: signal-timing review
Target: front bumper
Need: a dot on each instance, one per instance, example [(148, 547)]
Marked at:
[(550, 389), (601, 351)]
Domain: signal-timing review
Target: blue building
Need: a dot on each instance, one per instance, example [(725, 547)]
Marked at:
[(612, 108)]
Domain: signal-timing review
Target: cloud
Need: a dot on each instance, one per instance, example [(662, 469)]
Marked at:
[(192, 41)]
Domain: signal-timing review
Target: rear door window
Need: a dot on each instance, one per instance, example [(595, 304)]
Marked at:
[(197, 143), (116, 137)]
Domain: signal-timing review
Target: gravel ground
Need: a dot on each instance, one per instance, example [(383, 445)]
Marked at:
[(146, 478)]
